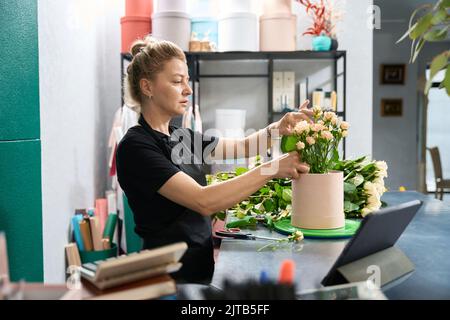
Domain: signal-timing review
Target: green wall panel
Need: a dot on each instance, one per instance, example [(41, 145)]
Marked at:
[(19, 70), (21, 207)]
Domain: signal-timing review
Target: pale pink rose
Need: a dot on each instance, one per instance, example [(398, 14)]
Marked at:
[(326, 135), (345, 125), (344, 133), (300, 145), (317, 127), (310, 140), (328, 116), (302, 126)]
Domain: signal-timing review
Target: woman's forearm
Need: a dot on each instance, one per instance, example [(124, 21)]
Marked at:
[(250, 146), (258, 142)]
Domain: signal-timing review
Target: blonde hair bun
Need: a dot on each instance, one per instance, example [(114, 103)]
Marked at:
[(157, 53), (141, 44)]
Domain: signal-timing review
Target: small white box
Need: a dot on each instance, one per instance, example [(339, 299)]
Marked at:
[(277, 80), (290, 100), (302, 91), (277, 100), (289, 89), (289, 79)]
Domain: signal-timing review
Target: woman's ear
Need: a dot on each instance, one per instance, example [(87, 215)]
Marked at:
[(146, 87)]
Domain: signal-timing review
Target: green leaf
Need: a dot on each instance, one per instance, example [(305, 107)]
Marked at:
[(287, 195), (349, 187), (444, 4), (288, 143), (406, 34), (242, 223), (335, 157), (418, 48), (446, 80), (436, 35), (357, 180), (421, 26), (439, 62), (439, 16), (349, 206), (264, 190), (279, 190), (240, 171), (269, 205)]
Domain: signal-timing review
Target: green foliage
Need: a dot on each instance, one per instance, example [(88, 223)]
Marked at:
[(273, 201), (269, 201), (432, 25)]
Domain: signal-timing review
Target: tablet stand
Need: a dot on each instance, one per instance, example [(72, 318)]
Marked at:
[(392, 263)]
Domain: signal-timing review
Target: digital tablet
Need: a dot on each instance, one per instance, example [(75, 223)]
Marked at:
[(379, 230)]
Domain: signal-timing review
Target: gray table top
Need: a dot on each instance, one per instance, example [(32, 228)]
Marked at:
[(426, 241)]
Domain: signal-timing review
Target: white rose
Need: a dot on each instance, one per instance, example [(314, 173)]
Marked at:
[(300, 145), (369, 188), (374, 202), (379, 185), (381, 165), (382, 169), (365, 212)]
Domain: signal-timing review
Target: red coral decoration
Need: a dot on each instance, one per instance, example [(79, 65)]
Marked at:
[(320, 15)]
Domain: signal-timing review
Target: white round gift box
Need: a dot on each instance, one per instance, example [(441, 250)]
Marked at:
[(172, 26), (171, 5), (238, 32)]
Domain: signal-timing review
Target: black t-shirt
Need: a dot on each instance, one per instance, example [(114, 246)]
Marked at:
[(146, 159)]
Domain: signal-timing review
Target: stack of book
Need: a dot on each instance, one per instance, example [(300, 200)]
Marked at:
[(137, 276)]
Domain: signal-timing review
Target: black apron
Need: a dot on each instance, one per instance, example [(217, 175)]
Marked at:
[(188, 226)]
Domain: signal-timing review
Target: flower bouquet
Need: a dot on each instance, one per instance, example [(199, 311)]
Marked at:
[(317, 142), (318, 196), (363, 185)]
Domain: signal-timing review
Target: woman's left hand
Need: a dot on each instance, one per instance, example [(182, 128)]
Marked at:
[(286, 125)]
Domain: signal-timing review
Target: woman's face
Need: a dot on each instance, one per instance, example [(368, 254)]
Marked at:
[(170, 88)]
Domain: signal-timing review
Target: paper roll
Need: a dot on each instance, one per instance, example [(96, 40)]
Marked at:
[(86, 235)]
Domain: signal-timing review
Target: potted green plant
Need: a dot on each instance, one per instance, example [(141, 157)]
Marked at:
[(318, 196)]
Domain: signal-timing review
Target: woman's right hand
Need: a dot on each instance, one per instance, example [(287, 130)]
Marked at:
[(288, 166)]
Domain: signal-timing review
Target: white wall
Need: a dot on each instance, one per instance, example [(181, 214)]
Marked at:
[(79, 69), (356, 38)]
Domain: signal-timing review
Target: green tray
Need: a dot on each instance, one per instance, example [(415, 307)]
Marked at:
[(351, 226), (92, 256)]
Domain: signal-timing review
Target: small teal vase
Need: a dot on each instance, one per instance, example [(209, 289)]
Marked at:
[(321, 43)]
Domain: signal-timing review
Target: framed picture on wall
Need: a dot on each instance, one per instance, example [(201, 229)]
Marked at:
[(391, 107), (392, 73)]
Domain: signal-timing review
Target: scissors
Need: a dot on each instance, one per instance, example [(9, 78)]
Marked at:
[(236, 233)]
